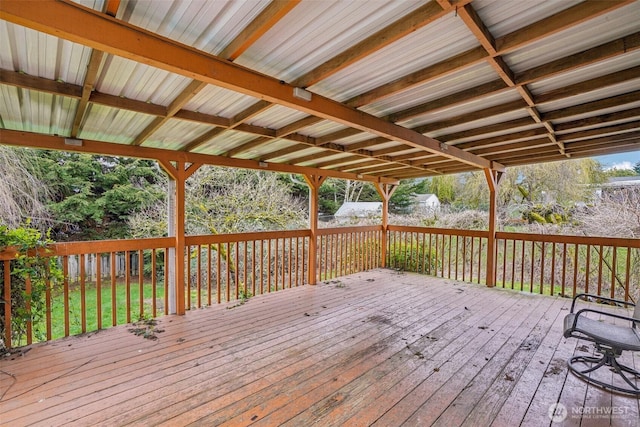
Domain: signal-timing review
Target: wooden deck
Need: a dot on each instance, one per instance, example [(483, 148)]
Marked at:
[(377, 348)]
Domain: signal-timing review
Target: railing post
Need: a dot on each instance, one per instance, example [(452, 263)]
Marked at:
[(385, 191), (314, 182), (493, 180)]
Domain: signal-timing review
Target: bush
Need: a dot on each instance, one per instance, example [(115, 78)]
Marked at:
[(29, 264)]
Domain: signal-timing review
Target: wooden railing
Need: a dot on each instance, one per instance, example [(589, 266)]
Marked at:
[(348, 250), (230, 267), (446, 253), (568, 265), (103, 283)]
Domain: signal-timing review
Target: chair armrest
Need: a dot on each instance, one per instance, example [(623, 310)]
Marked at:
[(575, 298)]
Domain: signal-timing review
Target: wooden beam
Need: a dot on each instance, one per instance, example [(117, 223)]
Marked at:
[(402, 27), (82, 25), (475, 115), (569, 17), (48, 142), (176, 105), (589, 85), (498, 127), (249, 112), (127, 104), (617, 129), (466, 95), (246, 146), (450, 65), (337, 135), (297, 125), (265, 20), (54, 87), (89, 83), (598, 120), (284, 151), (205, 137), (588, 107), (608, 50)]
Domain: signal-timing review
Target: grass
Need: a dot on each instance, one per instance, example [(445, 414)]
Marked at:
[(75, 308)]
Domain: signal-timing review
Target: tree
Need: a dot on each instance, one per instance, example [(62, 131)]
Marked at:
[(23, 194), (222, 200), (402, 199), (334, 192), (93, 196), (444, 187)]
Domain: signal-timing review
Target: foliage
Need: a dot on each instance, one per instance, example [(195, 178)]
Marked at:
[(23, 194), (414, 256), (29, 266), (223, 200), (465, 220), (444, 187), (402, 199), (334, 192), (93, 196), (615, 172)]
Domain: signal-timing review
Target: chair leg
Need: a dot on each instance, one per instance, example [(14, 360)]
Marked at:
[(609, 359)]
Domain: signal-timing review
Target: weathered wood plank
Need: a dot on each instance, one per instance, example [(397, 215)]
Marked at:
[(374, 347)]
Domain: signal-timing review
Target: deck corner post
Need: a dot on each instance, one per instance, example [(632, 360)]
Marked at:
[(385, 191), (493, 181), (178, 175), (314, 182)]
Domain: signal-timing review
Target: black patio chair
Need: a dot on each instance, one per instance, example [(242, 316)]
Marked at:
[(610, 341)]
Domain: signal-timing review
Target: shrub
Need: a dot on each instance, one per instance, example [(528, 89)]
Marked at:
[(29, 265)]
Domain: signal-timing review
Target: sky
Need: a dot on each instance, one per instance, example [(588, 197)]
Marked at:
[(620, 161)]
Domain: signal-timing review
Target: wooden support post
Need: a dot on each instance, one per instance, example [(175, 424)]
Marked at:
[(314, 182), (493, 181), (178, 175), (385, 191)]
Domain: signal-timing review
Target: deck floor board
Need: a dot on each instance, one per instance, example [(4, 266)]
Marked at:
[(374, 348)]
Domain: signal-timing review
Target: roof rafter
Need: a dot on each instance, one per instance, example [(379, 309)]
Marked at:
[(107, 34)]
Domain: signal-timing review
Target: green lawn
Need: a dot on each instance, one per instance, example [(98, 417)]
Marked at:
[(75, 307)]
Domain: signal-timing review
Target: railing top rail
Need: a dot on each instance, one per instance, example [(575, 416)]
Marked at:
[(345, 230), (445, 231), (243, 237), (95, 246), (580, 240)]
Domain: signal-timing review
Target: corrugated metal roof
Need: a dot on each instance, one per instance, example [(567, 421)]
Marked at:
[(174, 134), (42, 55), (432, 78), (132, 80), (218, 101), (414, 52), (459, 81), (113, 125), (278, 53), (576, 39), (504, 17)]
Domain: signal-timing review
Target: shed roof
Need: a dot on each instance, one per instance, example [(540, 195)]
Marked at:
[(398, 89), (359, 209)]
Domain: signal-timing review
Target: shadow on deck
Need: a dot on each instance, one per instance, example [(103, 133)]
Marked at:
[(371, 348)]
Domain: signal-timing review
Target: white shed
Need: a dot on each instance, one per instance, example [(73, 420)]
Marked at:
[(429, 202), (359, 210)]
